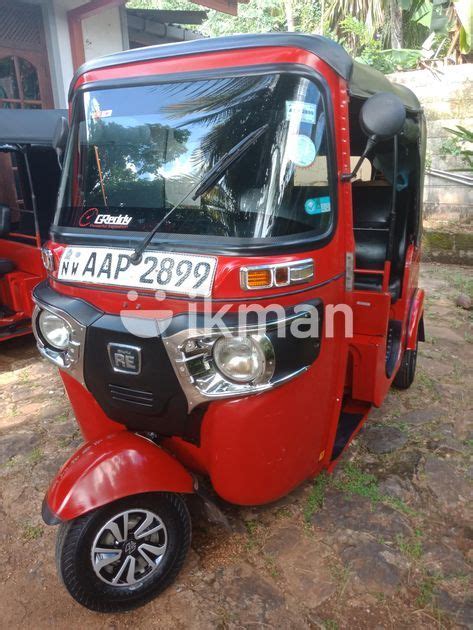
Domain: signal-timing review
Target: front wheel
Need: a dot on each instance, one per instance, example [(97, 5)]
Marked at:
[(120, 556)]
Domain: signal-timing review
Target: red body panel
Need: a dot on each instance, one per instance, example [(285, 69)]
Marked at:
[(93, 422), (100, 472), (16, 287)]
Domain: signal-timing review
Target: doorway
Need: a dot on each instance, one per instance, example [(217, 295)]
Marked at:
[(25, 83)]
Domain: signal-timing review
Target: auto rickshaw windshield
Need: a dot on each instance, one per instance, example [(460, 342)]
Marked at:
[(135, 151)]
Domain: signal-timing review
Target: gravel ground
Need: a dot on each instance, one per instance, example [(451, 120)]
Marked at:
[(385, 542)]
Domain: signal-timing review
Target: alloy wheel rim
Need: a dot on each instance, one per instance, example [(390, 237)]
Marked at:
[(129, 548)]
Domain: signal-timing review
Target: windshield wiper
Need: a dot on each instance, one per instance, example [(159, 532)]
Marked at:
[(99, 169), (209, 180)]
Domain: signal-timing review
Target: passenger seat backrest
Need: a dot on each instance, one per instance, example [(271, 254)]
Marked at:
[(371, 206), (371, 210)]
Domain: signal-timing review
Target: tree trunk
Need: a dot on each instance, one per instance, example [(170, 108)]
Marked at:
[(289, 15), (395, 14), (322, 15)]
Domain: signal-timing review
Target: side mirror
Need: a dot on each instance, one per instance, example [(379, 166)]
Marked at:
[(60, 136), (5, 220), (382, 117)]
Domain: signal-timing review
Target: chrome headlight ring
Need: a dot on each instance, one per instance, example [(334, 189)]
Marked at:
[(190, 352), (70, 359)]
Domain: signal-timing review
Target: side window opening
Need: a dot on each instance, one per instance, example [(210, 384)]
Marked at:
[(372, 199)]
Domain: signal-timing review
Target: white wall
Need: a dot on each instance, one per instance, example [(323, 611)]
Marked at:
[(102, 33), (447, 99), (64, 72)]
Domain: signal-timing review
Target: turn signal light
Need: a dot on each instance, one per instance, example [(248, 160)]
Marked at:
[(259, 278)]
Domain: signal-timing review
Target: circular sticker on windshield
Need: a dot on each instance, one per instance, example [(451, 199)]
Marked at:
[(302, 150)]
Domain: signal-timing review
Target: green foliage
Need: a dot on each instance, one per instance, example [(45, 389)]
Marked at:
[(414, 21), (411, 547), (442, 17), (357, 39), (258, 16), (32, 532), (464, 11), (355, 481), (315, 500), (36, 455), (426, 595), (460, 145), (371, 13)]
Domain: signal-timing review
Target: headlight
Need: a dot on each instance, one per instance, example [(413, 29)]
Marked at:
[(54, 329), (240, 359)]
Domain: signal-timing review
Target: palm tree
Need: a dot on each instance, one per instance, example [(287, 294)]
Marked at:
[(374, 13)]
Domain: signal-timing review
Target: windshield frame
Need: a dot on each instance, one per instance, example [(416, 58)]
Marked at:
[(304, 241)]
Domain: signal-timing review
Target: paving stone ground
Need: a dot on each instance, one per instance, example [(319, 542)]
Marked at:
[(385, 542)]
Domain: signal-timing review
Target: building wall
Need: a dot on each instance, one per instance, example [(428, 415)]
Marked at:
[(102, 34), (61, 64), (447, 99)]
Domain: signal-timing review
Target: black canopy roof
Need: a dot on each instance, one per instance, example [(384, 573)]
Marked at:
[(29, 126), (363, 80)]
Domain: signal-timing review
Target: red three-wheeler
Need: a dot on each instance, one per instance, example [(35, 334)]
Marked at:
[(232, 285), (30, 145)]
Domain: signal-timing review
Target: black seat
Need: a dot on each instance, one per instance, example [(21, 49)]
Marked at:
[(6, 266), (371, 210)]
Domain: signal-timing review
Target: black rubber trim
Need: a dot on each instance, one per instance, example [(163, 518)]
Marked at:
[(48, 516), (328, 50), (79, 309), (252, 295), (421, 329), (220, 246)]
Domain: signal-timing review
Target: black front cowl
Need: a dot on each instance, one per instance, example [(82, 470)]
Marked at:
[(152, 400)]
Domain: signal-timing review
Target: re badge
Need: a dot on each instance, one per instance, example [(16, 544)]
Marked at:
[(125, 359)]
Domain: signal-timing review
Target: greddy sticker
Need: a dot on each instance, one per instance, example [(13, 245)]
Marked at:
[(174, 273), (94, 218), (298, 110)]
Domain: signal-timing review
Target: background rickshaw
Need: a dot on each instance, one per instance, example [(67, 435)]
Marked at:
[(260, 169), (29, 181)]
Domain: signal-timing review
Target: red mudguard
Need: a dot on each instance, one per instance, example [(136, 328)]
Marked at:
[(415, 316), (110, 468)]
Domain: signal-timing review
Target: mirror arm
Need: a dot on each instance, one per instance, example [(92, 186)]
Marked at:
[(347, 177)]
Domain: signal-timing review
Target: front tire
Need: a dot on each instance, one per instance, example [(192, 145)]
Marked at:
[(124, 554)]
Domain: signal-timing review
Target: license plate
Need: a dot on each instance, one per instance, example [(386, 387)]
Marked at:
[(174, 273)]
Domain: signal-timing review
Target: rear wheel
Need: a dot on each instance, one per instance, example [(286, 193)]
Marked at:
[(122, 555), (407, 370)]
